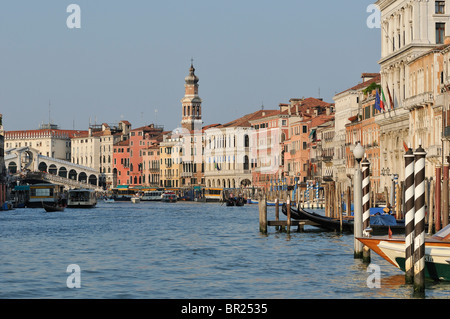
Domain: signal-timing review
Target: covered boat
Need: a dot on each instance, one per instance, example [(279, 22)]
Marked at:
[(152, 196), (81, 198), (437, 252), (169, 197)]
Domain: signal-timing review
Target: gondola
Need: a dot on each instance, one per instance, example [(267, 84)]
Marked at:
[(53, 208), (235, 201), (380, 224)]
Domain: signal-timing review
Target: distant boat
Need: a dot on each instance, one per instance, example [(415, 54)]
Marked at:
[(152, 196), (52, 208), (81, 198), (169, 197), (253, 201), (135, 200), (235, 201), (109, 200)]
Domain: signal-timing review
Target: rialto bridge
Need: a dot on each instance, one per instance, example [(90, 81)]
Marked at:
[(25, 159)]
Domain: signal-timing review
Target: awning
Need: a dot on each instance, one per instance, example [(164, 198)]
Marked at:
[(122, 186), (22, 188)]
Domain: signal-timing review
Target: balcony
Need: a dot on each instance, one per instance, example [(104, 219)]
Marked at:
[(434, 151), (187, 174), (419, 100)]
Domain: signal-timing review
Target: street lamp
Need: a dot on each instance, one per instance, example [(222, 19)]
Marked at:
[(358, 152)]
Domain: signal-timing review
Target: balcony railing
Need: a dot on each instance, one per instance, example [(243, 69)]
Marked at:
[(419, 100)]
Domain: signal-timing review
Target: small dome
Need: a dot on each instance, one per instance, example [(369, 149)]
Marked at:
[(191, 78)]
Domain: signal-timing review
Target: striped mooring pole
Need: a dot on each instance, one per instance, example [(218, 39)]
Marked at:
[(419, 220), (365, 164), (409, 216)]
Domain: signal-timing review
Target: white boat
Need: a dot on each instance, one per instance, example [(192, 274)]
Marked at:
[(152, 196), (437, 252), (81, 198), (109, 200), (135, 200)]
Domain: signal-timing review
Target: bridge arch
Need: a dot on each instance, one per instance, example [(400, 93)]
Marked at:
[(42, 167), (92, 179), (82, 177), (12, 167), (73, 174), (62, 172), (52, 169)]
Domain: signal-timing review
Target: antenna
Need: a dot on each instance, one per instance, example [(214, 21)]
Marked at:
[(49, 119)]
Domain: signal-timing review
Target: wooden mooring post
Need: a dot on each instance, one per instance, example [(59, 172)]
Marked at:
[(262, 205)]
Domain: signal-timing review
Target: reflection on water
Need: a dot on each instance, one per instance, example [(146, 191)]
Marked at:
[(182, 250)]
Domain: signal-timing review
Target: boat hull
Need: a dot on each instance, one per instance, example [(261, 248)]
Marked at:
[(346, 225), (437, 255)]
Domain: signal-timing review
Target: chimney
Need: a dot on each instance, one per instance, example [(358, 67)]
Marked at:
[(283, 107)]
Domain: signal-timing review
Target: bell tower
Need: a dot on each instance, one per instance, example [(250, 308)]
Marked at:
[(191, 103)]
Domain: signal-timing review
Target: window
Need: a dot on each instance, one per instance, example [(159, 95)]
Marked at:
[(440, 31), (440, 7)]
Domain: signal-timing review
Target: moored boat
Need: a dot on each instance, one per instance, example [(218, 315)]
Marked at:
[(437, 252), (81, 198), (379, 223)]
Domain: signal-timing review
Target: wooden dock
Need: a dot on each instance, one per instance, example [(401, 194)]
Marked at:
[(284, 223), (279, 224)]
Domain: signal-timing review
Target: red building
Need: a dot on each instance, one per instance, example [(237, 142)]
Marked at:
[(141, 138), (121, 159)]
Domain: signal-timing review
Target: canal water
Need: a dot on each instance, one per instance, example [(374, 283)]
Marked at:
[(182, 250)]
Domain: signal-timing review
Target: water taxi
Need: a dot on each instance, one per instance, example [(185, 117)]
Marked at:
[(169, 197), (82, 198), (213, 194), (437, 252), (152, 196), (44, 193)]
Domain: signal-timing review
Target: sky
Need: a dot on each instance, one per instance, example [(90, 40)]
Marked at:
[(129, 59)]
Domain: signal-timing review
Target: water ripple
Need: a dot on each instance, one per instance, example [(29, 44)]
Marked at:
[(185, 250)]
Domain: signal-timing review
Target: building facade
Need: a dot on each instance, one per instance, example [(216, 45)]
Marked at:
[(49, 141), (409, 29)]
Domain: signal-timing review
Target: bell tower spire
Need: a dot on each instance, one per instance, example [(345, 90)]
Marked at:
[(191, 103)]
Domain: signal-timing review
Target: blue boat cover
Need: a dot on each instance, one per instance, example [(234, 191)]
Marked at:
[(387, 220)]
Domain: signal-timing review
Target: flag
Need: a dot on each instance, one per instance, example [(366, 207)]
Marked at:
[(383, 101), (390, 97), (377, 101), (405, 146)]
